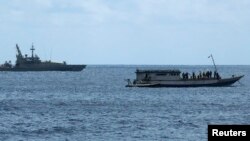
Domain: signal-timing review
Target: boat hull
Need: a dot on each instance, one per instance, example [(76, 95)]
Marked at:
[(189, 83), (46, 68)]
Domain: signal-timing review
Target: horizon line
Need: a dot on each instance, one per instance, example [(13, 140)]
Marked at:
[(169, 64)]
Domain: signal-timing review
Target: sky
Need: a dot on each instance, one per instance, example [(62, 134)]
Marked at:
[(149, 32)]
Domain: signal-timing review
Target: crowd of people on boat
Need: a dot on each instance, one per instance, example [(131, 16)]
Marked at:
[(201, 75)]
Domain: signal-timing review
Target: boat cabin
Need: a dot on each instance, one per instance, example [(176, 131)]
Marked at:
[(157, 75)]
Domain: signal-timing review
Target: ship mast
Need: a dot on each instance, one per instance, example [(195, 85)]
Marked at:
[(213, 62), (32, 50)]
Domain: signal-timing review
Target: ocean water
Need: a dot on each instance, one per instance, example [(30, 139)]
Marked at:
[(95, 105)]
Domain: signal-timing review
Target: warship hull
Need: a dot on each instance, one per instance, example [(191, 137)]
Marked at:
[(34, 63), (46, 68), (188, 83)]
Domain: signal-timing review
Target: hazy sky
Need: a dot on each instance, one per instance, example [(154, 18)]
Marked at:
[(127, 31)]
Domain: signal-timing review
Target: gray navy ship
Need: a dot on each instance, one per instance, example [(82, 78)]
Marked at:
[(33, 63)]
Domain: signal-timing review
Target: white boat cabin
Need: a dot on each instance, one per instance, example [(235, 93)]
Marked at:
[(157, 75)]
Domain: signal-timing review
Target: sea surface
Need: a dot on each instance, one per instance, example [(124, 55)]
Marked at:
[(95, 105)]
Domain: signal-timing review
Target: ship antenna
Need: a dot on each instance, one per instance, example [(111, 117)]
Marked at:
[(213, 62), (32, 50)]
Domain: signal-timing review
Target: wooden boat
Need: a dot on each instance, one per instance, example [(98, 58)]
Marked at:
[(173, 78), (169, 78)]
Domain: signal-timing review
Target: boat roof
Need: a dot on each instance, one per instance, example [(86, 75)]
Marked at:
[(158, 71)]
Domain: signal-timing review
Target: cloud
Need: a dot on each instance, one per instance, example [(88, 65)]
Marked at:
[(79, 12), (96, 9), (223, 11), (58, 12), (154, 26)]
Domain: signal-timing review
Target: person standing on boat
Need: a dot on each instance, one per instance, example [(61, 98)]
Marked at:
[(210, 74), (216, 75), (194, 77)]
